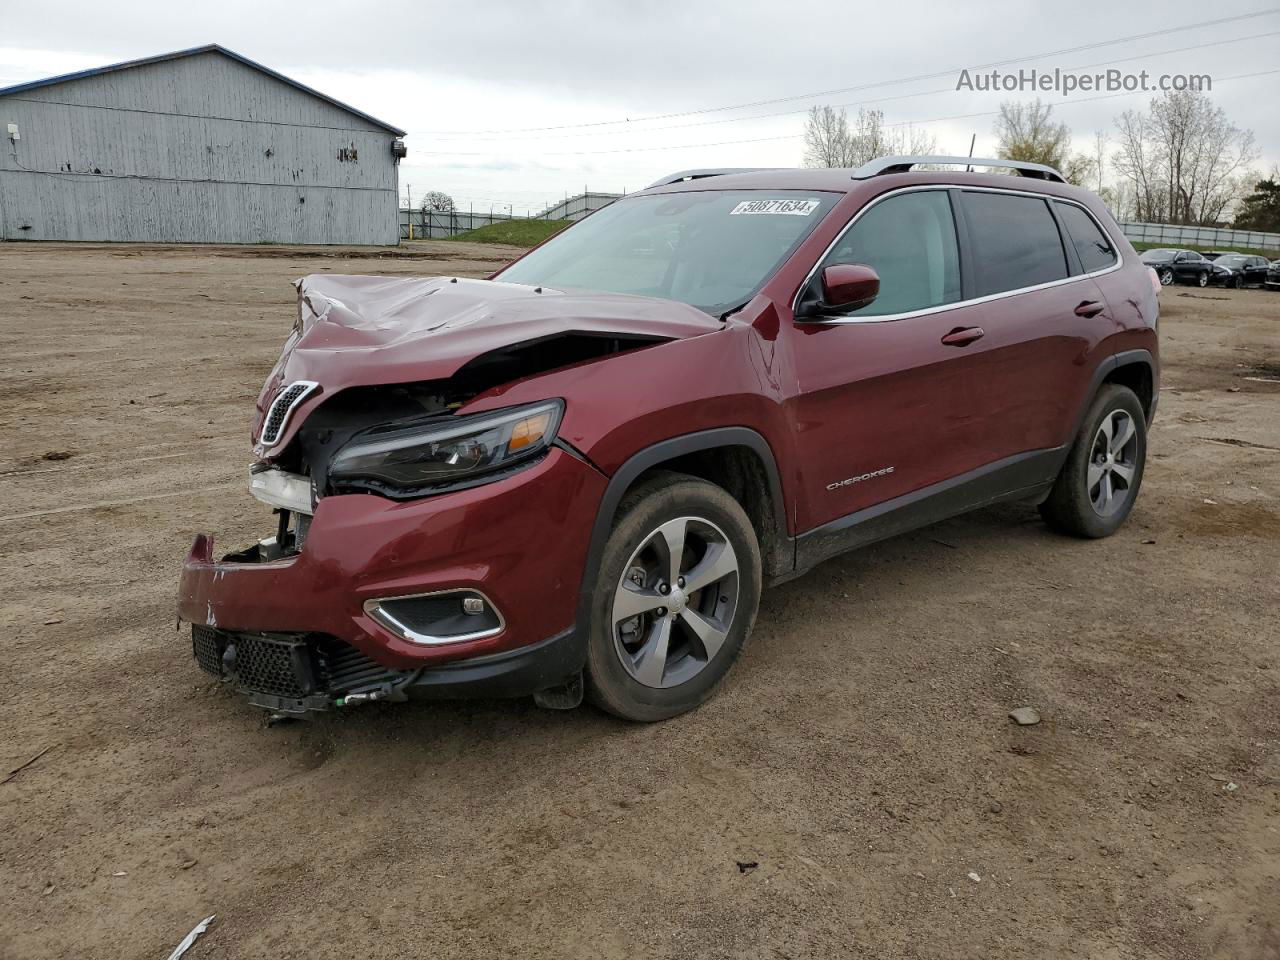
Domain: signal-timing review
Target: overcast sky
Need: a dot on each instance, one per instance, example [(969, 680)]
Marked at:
[(445, 71)]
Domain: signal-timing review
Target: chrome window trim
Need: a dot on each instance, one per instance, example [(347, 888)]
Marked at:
[(375, 610), (309, 387), (945, 307)]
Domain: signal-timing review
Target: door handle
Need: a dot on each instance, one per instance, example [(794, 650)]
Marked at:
[(1088, 308), (963, 336)]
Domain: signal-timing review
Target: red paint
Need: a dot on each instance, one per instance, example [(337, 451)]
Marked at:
[(832, 401)]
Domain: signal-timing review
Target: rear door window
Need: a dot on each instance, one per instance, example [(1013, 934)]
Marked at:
[(1091, 244), (1014, 242)]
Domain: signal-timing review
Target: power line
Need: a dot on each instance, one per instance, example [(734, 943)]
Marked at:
[(862, 103), (879, 83), (793, 136)]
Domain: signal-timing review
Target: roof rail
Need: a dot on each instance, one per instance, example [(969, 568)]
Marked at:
[(903, 164), (700, 174)]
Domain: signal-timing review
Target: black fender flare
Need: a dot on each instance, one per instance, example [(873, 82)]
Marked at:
[(1108, 365), (655, 455)]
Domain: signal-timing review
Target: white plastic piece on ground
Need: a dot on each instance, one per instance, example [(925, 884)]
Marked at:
[(190, 938)]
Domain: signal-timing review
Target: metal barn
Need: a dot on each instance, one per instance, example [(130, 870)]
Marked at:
[(198, 146)]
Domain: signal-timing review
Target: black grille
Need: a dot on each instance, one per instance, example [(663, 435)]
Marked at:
[(278, 667), (278, 413), (208, 645), (290, 666)]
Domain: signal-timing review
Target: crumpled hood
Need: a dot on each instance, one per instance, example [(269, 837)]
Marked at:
[(362, 331)]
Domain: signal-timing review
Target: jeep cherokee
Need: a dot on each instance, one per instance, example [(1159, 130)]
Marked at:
[(575, 476)]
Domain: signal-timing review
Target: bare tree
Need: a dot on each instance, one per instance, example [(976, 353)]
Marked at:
[(1027, 132), (437, 202), (872, 138), (1187, 162), (826, 138), (831, 142)]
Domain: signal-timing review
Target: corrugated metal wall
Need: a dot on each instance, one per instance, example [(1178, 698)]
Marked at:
[(201, 149)]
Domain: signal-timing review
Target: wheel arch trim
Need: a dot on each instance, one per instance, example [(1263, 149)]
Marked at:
[(660, 453), (1108, 366)]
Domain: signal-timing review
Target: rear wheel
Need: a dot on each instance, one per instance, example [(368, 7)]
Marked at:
[(676, 596), (1203, 279), (1100, 480)]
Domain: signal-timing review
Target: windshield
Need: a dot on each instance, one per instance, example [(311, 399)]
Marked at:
[(1153, 255), (1237, 261), (711, 249)]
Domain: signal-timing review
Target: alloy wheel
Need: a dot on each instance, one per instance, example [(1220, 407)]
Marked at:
[(1204, 279), (1166, 278), (1112, 463), (674, 606)]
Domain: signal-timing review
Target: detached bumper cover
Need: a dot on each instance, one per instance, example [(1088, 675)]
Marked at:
[(521, 541)]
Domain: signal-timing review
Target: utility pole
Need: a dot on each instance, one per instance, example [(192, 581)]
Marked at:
[(408, 204)]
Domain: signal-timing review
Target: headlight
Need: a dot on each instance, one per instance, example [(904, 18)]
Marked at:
[(446, 452)]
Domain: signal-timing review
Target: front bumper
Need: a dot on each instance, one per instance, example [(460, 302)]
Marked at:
[(303, 674), (521, 541)]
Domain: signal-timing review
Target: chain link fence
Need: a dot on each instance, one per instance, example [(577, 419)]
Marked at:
[(436, 224)]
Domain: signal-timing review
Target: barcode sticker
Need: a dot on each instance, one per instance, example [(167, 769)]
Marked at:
[(793, 208)]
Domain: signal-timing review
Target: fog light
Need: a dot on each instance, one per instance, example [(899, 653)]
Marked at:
[(447, 616)]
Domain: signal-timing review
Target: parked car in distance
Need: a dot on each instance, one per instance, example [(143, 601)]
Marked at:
[(576, 476), (1273, 276), (1240, 270), (1179, 266)]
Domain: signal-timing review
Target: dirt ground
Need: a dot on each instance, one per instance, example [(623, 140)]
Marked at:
[(856, 790)]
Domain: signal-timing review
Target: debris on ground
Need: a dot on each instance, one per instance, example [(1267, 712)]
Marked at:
[(22, 766), (1025, 716), (190, 938), (974, 877), (746, 866), (1233, 442), (1211, 501), (55, 455)]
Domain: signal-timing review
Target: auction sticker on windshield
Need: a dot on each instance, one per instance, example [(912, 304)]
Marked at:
[(794, 208)]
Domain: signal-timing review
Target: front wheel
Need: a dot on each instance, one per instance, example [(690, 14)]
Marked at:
[(676, 596), (1099, 483), (1239, 283), (1166, 278)]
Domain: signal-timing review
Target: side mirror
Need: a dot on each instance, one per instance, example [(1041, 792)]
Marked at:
[(846, 287)]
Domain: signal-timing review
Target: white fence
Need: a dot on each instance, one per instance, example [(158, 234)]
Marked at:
[(1199, 238)]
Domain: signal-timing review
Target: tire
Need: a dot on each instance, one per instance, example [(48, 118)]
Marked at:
[(1238, 283), (1077, 504), (1203, 279), (625, 676), (1166, 278)]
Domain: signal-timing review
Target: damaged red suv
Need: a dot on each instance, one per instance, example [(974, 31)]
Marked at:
[(576, 476)]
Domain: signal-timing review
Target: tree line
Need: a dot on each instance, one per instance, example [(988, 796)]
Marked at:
[(1182, 161)]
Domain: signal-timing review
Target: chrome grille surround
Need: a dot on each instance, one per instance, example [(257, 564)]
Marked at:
[(282, 407)]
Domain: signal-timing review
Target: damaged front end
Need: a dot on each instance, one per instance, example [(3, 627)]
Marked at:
[(405, 556)]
